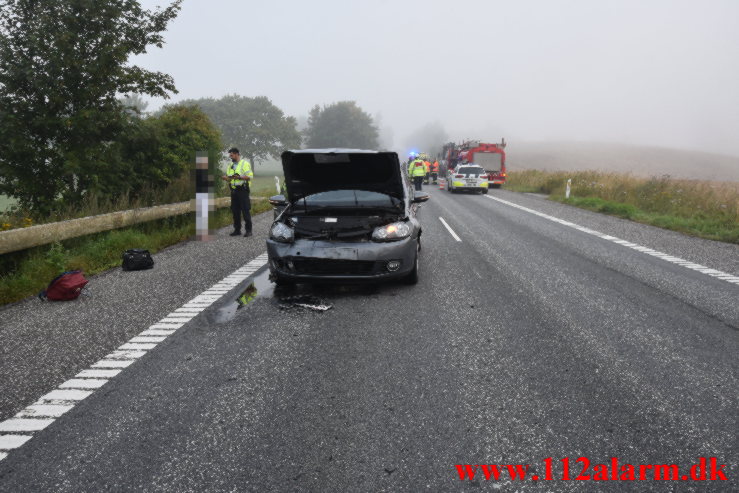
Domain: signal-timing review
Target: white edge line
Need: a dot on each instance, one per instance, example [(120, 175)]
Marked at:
[(68, 394), (724, 276), (451, 231)]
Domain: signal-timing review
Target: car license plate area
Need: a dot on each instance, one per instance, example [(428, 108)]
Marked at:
[(328, 267)]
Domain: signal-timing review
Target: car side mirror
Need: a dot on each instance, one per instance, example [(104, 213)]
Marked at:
[(420, 197), (277, 200)]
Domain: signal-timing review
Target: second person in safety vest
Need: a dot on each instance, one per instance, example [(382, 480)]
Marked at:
[(435, 171), (417, 170)]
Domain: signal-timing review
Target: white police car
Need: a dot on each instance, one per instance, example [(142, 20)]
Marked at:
[(469, 178)]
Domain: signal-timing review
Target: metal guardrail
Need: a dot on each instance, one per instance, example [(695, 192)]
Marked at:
[(22, 238)]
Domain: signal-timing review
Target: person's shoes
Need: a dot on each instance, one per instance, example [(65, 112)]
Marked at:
[(247, 234), (235, 233)]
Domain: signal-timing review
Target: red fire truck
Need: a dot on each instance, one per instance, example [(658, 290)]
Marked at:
[(490, 156)]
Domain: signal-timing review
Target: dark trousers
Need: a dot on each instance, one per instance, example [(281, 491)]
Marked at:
[(240, 204), (418, 182)]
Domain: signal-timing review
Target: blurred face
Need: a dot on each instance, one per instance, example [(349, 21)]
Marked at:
[(234, 156)]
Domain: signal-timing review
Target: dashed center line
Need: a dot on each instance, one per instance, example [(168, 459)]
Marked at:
[(451, 231), (724, 276), (16, 431)]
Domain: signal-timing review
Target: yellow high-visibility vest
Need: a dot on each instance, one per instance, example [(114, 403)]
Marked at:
[(417, 168), (241, 168)]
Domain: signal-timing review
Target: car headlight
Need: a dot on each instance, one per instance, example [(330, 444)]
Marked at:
[(282, 232), (392, 231)]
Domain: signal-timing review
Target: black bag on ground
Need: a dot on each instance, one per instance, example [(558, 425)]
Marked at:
[(137, 259)]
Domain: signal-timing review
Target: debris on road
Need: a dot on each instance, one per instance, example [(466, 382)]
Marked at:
[(304, 301)]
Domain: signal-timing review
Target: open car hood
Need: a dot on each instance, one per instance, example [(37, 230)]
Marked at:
[(309, 171)]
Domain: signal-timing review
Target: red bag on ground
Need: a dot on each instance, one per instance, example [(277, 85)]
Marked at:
[(66, 286)]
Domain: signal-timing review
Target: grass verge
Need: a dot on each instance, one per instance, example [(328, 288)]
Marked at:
[(705, 209), (28, 272)]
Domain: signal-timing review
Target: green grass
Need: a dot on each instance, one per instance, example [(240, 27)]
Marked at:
[(704, 209), (29, 271)]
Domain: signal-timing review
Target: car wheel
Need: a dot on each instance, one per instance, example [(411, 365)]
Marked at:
[(485, 192), (412, 277)]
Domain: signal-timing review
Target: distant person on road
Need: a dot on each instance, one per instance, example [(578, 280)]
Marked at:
[(435, 172), (239, 174)]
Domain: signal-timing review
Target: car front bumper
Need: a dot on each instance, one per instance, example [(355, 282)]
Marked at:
[(335, 261)]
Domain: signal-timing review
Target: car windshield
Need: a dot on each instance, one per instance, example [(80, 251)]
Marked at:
[(348, 198), (470, 170)]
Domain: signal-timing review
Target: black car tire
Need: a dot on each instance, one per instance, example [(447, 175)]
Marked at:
[(485, 192), (412, 277)]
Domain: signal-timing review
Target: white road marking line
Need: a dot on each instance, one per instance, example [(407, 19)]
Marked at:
[(44, 410), (451, 231), (137, 346), (140, 338), (66, 395), (82, 383), (64, 398), (166, 325), (97, 373), (157, 332), (24, 424), (113, 363), (724, 276), (126, 355), (8, 442)]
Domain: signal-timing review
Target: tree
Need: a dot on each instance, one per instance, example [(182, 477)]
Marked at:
[(157, 150), (62, 65), (341, 124), (255, 125), (133, 104)]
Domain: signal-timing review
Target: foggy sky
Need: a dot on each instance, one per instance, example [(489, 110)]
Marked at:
[(654, 72)]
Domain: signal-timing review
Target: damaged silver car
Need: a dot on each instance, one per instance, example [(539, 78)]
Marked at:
[(349, 215)]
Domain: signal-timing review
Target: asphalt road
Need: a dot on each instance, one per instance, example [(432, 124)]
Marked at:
[(525, 340)]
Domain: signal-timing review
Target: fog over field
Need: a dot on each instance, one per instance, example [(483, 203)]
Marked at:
[(636, 75)]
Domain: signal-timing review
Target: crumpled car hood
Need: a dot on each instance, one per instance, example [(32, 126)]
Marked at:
[(311, 171)]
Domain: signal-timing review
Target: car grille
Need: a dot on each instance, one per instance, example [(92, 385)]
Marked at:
[(327, 267)]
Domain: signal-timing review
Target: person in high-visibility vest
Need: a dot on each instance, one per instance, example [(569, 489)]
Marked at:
[(435, 171), (417, 170), (239, 174)]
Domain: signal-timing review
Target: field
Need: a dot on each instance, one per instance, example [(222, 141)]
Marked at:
[(636, 160), (699, 208)]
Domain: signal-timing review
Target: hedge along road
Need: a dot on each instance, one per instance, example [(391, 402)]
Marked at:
[(527, 339)]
